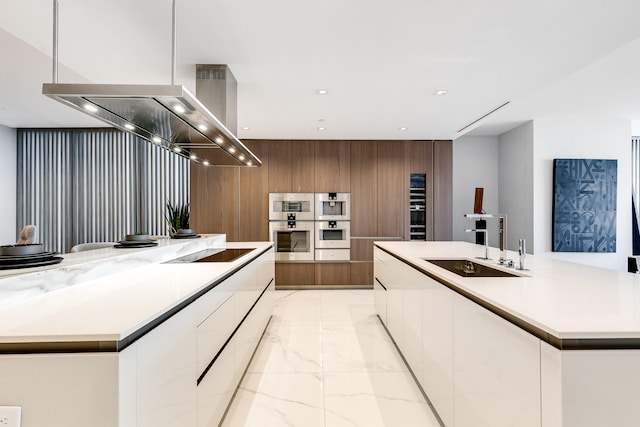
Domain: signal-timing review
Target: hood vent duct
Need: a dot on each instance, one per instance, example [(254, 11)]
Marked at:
[(167, 115)]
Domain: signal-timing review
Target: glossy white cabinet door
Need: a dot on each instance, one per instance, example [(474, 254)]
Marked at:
[(412, 282), (166, 373), (217, 387), (437, 347), (393, 270), (380, 300), (496, 370), (214, 331)]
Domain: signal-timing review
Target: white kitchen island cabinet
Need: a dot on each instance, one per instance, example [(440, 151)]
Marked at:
[(516, 351), (156, 345)]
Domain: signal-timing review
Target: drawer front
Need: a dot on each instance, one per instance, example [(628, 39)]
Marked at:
[(214, 331)]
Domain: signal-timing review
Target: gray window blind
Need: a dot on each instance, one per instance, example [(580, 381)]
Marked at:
[(95, 185)]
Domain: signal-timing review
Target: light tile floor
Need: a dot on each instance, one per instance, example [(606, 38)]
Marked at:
[(326, 360)]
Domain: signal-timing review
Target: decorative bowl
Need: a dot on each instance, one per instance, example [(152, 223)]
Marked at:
[(137, 237), (18, 250)]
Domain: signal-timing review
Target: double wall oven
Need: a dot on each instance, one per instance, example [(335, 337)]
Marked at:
[(310, 226), (291, 226)]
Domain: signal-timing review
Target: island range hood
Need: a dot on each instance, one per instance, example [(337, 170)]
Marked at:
[(167, 115)]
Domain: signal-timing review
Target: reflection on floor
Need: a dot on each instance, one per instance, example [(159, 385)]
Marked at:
[(326, 360)]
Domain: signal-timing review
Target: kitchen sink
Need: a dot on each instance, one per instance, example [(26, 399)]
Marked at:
[(212, 255), (467, 268)]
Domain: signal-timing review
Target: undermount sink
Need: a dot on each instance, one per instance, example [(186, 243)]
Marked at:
[(466, 268)]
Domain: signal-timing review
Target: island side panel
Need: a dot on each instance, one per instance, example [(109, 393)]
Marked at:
[(590, 388), (62, 390)]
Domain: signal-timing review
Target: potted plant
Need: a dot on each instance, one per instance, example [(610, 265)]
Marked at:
[(178, 218)]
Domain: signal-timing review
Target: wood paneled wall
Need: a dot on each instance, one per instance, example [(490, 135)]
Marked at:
[(234, 200)]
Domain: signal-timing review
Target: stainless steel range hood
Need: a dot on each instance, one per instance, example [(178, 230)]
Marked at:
[(167, 115)]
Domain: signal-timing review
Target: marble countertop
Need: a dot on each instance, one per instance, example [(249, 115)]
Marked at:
[(106, 295), (566, 300)]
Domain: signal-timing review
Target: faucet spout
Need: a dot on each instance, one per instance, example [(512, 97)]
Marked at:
[(486, 246)]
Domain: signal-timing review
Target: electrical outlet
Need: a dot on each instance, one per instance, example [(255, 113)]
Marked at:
[(10, 416)]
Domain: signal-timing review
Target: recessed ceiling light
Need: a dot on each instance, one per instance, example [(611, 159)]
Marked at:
[(241, 157), (245, 128), (441, 92), (403, 128), (91, 108), (202, 127), (321, 128), (232, 150), (193, 157), (156, 140), (179, 108), (219, 140), (322, 91), (129, 126), (206, 163), (177, 149), (249, 163)]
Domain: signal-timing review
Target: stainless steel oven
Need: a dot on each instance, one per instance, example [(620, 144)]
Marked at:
[(291, 207), (333, 206), (333, 240), (293, 240)]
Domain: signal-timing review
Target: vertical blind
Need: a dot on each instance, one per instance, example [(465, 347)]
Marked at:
[(97, 185), (635, 192)]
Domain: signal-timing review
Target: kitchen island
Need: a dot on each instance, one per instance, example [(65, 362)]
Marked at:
[(556, 345), (129, 337)]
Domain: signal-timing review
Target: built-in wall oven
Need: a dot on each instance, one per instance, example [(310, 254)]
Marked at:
[(293, 240), (291, 206), (291, 219), (333, 206), (333, 240)]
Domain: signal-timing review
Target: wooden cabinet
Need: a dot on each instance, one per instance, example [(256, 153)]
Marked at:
[(442, 189), (254, 197), (362, 249), (302, 166), (361, 274), (279, 168), (364, 188), (392, 177), (214, 200), (295, 274), (332, 166), (291, 167), (332, 274)]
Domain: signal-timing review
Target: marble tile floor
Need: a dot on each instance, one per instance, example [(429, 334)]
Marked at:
[(326, 360)]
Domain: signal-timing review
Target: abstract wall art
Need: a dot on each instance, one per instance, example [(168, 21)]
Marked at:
[(584, 205)]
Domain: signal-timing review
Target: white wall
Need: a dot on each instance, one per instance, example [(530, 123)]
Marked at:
[(475, 164), (567, 137), (8, 161), (516, 184)]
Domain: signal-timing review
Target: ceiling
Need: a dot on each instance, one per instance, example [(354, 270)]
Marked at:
[(380, 61)]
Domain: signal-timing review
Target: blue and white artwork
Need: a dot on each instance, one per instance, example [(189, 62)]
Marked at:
[(584, 205)]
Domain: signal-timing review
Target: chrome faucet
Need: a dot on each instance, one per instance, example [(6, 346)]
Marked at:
[(522, 247), (503, 239), (502, 218), (486, 247)]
